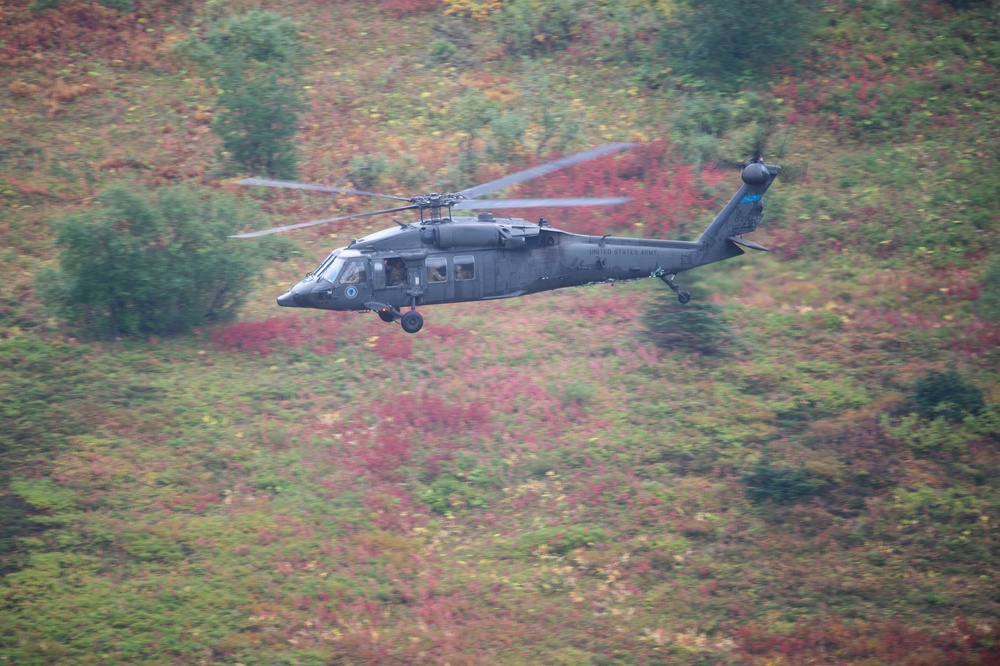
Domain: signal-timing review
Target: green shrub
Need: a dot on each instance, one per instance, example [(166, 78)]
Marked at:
[(150, 263), (367, 171), (254, 61), (946, 394), (726, 39), (442, 50), (703, 119), (559, 540), (530, 26), (506, 142), (448, 493), (44, 495), (782, 485)]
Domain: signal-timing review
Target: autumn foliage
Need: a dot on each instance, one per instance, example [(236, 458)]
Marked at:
[(669, 196), (799, 470)]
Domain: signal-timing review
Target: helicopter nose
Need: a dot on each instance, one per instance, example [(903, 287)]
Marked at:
[(289, 299)]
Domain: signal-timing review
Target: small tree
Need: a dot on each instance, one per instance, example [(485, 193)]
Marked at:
[(946, 394), (150, 264), (782, 485), (729, 38), (254, 60)]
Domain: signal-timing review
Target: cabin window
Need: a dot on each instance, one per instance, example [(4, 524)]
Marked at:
[(465, 267), (354, 273), (395, 272), (437, 269)]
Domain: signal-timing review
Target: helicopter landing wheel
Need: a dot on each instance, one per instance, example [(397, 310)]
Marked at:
[(386, 316), (683, 296), (412, 321)]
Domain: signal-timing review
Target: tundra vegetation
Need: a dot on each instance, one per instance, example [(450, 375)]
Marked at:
[(799, 469)]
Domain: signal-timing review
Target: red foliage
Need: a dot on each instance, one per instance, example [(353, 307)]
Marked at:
[(608, 310), (387, 451), (976, 337), (667, 195), (392, 508), (271, 335), (263, 337), (408, 422), (392, 347), (881, 643), (210, 498), (398, 8), (432, 412)]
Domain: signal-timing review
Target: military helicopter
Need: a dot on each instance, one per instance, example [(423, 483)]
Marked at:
[(445, 259)]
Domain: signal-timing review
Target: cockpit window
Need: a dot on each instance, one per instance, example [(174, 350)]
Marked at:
[(354, 273), (329, 271), (326, 263)]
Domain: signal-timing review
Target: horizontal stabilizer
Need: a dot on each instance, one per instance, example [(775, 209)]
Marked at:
[(739, 240)]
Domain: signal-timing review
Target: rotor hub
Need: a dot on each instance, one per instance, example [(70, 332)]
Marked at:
[(756, 173), (436, 200)]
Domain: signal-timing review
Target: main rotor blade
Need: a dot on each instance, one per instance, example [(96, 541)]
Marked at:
[(543, 169), (497, 204), (303, 225), (293, 185)]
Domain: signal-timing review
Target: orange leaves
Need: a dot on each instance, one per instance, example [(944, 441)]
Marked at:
[(55, 94), (495, 87), (22, 89), (477, 9)]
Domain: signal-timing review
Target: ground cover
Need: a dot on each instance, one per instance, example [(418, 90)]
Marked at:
[(526, 481)]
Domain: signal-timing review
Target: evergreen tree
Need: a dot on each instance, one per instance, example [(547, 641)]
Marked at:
[(150, 264), (946, 394)]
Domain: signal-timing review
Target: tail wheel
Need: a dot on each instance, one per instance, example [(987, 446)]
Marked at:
[(412, 321), (683, 296)]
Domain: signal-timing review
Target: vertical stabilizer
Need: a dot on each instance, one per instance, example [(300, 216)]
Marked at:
[(741, 215)]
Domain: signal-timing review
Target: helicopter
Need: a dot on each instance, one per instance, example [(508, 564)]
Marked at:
[(446, 259)]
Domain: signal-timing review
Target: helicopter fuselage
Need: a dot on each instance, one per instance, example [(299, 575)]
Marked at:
[(454, 260), (481, 260)]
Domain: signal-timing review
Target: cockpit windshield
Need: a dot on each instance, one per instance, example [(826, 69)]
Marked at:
[(326, 263), (333, 265), (331, 271)]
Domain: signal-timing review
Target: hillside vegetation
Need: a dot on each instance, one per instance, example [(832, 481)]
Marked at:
[(799, 466)]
